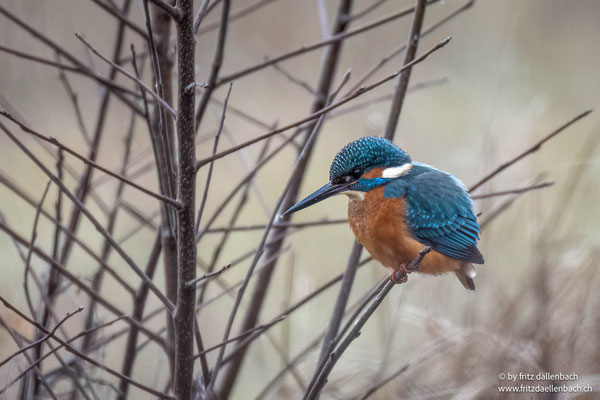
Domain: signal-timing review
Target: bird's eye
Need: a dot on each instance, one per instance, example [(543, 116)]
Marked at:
[(348, 178)]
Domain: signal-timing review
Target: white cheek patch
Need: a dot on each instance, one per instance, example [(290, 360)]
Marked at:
[(396, 172), (355, 195)]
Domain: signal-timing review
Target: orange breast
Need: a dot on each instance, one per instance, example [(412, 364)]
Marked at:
[(379, 224)]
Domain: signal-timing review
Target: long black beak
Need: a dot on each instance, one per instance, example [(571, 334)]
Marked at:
[(321, 194)]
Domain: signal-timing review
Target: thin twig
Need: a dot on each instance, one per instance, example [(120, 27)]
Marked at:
[(399, 50), (313, 391), (79, 354), (242, 11), (200, 15), (174, 12), (30, 251), (160, 100), (513, 191), (366, 11), (79, 205), (326, 93), (208, 275), (77, 70), (211, 84), (75, 102), (279, 225), (260, 328), (529, 151), (211, 166), (57, 48), (89, 162), (77, 282), (257, 256), (18, 340), (304, 49), (293, 79), (324, 110), (121, 18), (43, 339)]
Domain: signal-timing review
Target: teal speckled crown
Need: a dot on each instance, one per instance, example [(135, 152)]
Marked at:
[(366, 153)]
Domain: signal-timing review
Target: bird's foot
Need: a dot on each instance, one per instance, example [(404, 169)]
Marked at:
[(398, 277)]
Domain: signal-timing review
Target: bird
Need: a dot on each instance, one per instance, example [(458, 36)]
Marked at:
[(396, 207)]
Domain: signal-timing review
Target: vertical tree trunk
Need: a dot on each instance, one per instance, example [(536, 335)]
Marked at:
[(186, 194)]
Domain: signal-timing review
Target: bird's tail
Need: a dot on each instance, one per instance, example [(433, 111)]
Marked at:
[(465, 275)]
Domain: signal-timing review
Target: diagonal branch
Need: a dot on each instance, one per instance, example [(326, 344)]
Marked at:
[(140, 82), (89, 162), (79, 354), (336, 38), (324, 110), (313, 391), (92, 219), (529, 151), (42, 339), (174, 12)]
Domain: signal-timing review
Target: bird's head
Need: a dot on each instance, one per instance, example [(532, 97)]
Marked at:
[(349, 172)]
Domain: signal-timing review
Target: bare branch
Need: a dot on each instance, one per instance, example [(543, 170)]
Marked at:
[(402, 86), (260, 328), (304, 49), (139, 306), (366, 11), (89, 162), (314, 390), (77, 282), (257, 256), (18, 340), (77, 70), (210, 168), (160, 100), (513, 191), (399, 50), (75, 102), (208, 275), (43, 339), (31, 244), (215, 67), (60, 50), (324, 110), (122, 18), (242, 11), (278, 225), (527, 152), (174, 12), (80, 354), (54, 350), (91, 218), (200, 15)]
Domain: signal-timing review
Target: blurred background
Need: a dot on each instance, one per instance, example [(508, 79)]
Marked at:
[(513, 72)]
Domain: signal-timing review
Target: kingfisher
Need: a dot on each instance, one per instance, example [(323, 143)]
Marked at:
[(397, 206)]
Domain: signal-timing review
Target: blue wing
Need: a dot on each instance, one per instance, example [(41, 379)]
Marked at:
[(439, 212)]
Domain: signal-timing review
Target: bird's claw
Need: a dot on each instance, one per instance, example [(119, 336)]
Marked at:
[(399, 277)]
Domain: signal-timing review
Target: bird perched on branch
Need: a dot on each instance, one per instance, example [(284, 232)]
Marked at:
[(397, 206)]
